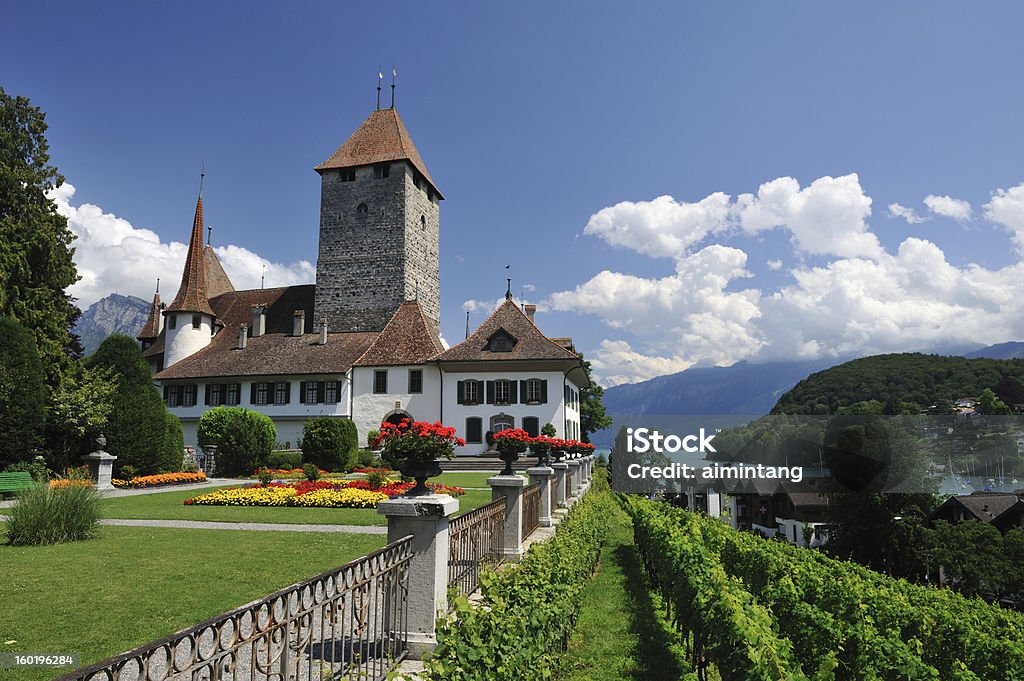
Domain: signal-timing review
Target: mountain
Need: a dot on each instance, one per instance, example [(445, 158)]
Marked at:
[(1011, 350), (113, 314)]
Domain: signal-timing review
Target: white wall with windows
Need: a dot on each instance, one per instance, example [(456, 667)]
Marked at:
[(475, 402), (396, 391), (288, 400)]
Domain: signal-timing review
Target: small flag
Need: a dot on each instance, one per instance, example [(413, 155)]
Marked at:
[(380, 75), (394, 71)]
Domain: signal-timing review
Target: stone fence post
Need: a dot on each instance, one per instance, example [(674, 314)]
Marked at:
[(558, 491), (425, 517), (511, 488), (543, 475), (573, 479)]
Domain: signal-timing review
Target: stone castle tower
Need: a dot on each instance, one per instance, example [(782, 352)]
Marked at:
[(379, 229)]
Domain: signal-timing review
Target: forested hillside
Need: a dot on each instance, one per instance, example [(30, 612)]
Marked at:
[(913, 379)]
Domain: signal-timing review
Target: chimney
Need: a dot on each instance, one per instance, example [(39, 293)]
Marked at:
[(323, 331), (259, 320), (242, 337), (531, 312), (299, 323)]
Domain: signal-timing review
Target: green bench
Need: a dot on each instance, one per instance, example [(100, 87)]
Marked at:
[(13, 482)]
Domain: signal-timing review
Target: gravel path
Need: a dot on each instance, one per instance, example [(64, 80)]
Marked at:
[(259, 527)]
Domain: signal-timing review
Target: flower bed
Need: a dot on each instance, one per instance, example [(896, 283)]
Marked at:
[(161, 479), (373, 470), (60, 483), (323, 494)]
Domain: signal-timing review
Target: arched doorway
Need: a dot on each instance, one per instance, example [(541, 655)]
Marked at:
[(396, 417)]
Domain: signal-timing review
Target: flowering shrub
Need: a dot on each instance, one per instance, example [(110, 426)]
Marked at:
[(161, 479), (515, 439), (61, 483), (416, 442), (323, 494), (386, 471)]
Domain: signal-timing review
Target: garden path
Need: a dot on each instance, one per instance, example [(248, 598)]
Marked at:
[(259, 527)]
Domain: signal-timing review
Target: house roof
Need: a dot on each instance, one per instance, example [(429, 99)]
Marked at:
[(217, 281), (192, 295), (407, 339), (381, 137), (276, 352), (984, 506), (530, 342), (151, 329)]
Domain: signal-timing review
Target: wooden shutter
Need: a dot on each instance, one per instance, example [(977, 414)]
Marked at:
[(167, 392), (321, 390), (523, 391), (337, 391), (302, 392), (206, 401), (512, 399), (460, 392), (252, 393), (544, 391), (490, 392)]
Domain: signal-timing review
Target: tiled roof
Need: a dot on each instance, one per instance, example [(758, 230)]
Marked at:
[(530, 342), (406, 339), (192, 296), (984, 506), (276, 352), (381, 137), (217, 281), (152, 327)]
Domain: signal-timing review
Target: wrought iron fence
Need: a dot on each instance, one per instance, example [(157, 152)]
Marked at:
[(347, 623), (474, 540), (531, 509)]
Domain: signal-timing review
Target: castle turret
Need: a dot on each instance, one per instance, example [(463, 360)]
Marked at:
[(379, 229), (189, 319), (154, 322)]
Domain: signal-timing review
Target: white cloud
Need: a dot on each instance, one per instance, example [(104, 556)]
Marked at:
[(529, 288), (485, 306), (1006, 208), (617, 362), (947, 206), (774, 265), (900, 211), (114, 256), (828, 217)]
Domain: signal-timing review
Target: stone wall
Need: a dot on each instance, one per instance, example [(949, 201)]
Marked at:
[(367, 266)]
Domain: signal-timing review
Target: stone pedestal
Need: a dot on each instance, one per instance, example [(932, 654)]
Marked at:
[(511, 487), (543, 476), (558, 490), (573, 479), (425, 517), (101, 467)]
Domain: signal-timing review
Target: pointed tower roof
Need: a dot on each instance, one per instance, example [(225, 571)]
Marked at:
[(407, 339), (381, 137), (152, 327), (528, 342), (217, 280), (192, 295)]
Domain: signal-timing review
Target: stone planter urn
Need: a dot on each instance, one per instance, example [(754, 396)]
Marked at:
[(420, 471), (509, 456)]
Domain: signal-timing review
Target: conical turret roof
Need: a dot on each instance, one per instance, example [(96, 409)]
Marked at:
[(192, 295)]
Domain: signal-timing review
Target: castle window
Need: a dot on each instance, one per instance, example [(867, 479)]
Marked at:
[(260, 393), (502, 391), (535, 391), (415, 380), (197, 321), (468, 392), (423, 222), (234, 393), (531, 425), (474, 430), (312, 392), (347, 175), (172, 395), (282, 393), (380, 381), (331, 391), (501, 422), (362, 210), (382, 170), (172, 321), (216, 392), (189, 399)]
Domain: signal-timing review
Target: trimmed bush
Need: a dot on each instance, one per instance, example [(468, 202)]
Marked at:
[(22, 393), (212, 424), (174, 445), (365, 458), (285, 459), (47, 514), (330, 443), (527, 611), (245, 442)]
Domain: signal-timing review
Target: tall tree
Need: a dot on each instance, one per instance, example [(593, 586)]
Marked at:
[(592, 415), (22, 394), (36, 263)]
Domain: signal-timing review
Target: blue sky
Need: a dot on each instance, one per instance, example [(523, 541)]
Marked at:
[(537, 121)]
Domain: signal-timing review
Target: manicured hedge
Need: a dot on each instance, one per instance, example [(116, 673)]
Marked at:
[(528, 611)]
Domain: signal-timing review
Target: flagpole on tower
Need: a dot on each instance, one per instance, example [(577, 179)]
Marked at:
[(380, 78), (394, 74)]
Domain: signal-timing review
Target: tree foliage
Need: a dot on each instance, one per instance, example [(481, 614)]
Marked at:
[(330, 443), (136, 428), (22, 393), (592, 414), (79, 410), (36, 263), (244, 439)]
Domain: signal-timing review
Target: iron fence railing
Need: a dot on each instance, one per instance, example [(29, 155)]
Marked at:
[(474, 540), (347, 623), (531, 509)]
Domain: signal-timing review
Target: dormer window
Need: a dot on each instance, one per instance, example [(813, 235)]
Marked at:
[(362, 210), (501, 342), (197, 321)]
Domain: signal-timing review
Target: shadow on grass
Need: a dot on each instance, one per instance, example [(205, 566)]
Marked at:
[(659, 657)]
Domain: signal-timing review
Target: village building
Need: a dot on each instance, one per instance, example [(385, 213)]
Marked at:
[(364, 341)]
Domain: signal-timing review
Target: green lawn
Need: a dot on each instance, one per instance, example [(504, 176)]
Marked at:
[(168, 506), (131, 585), (621, 632)]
